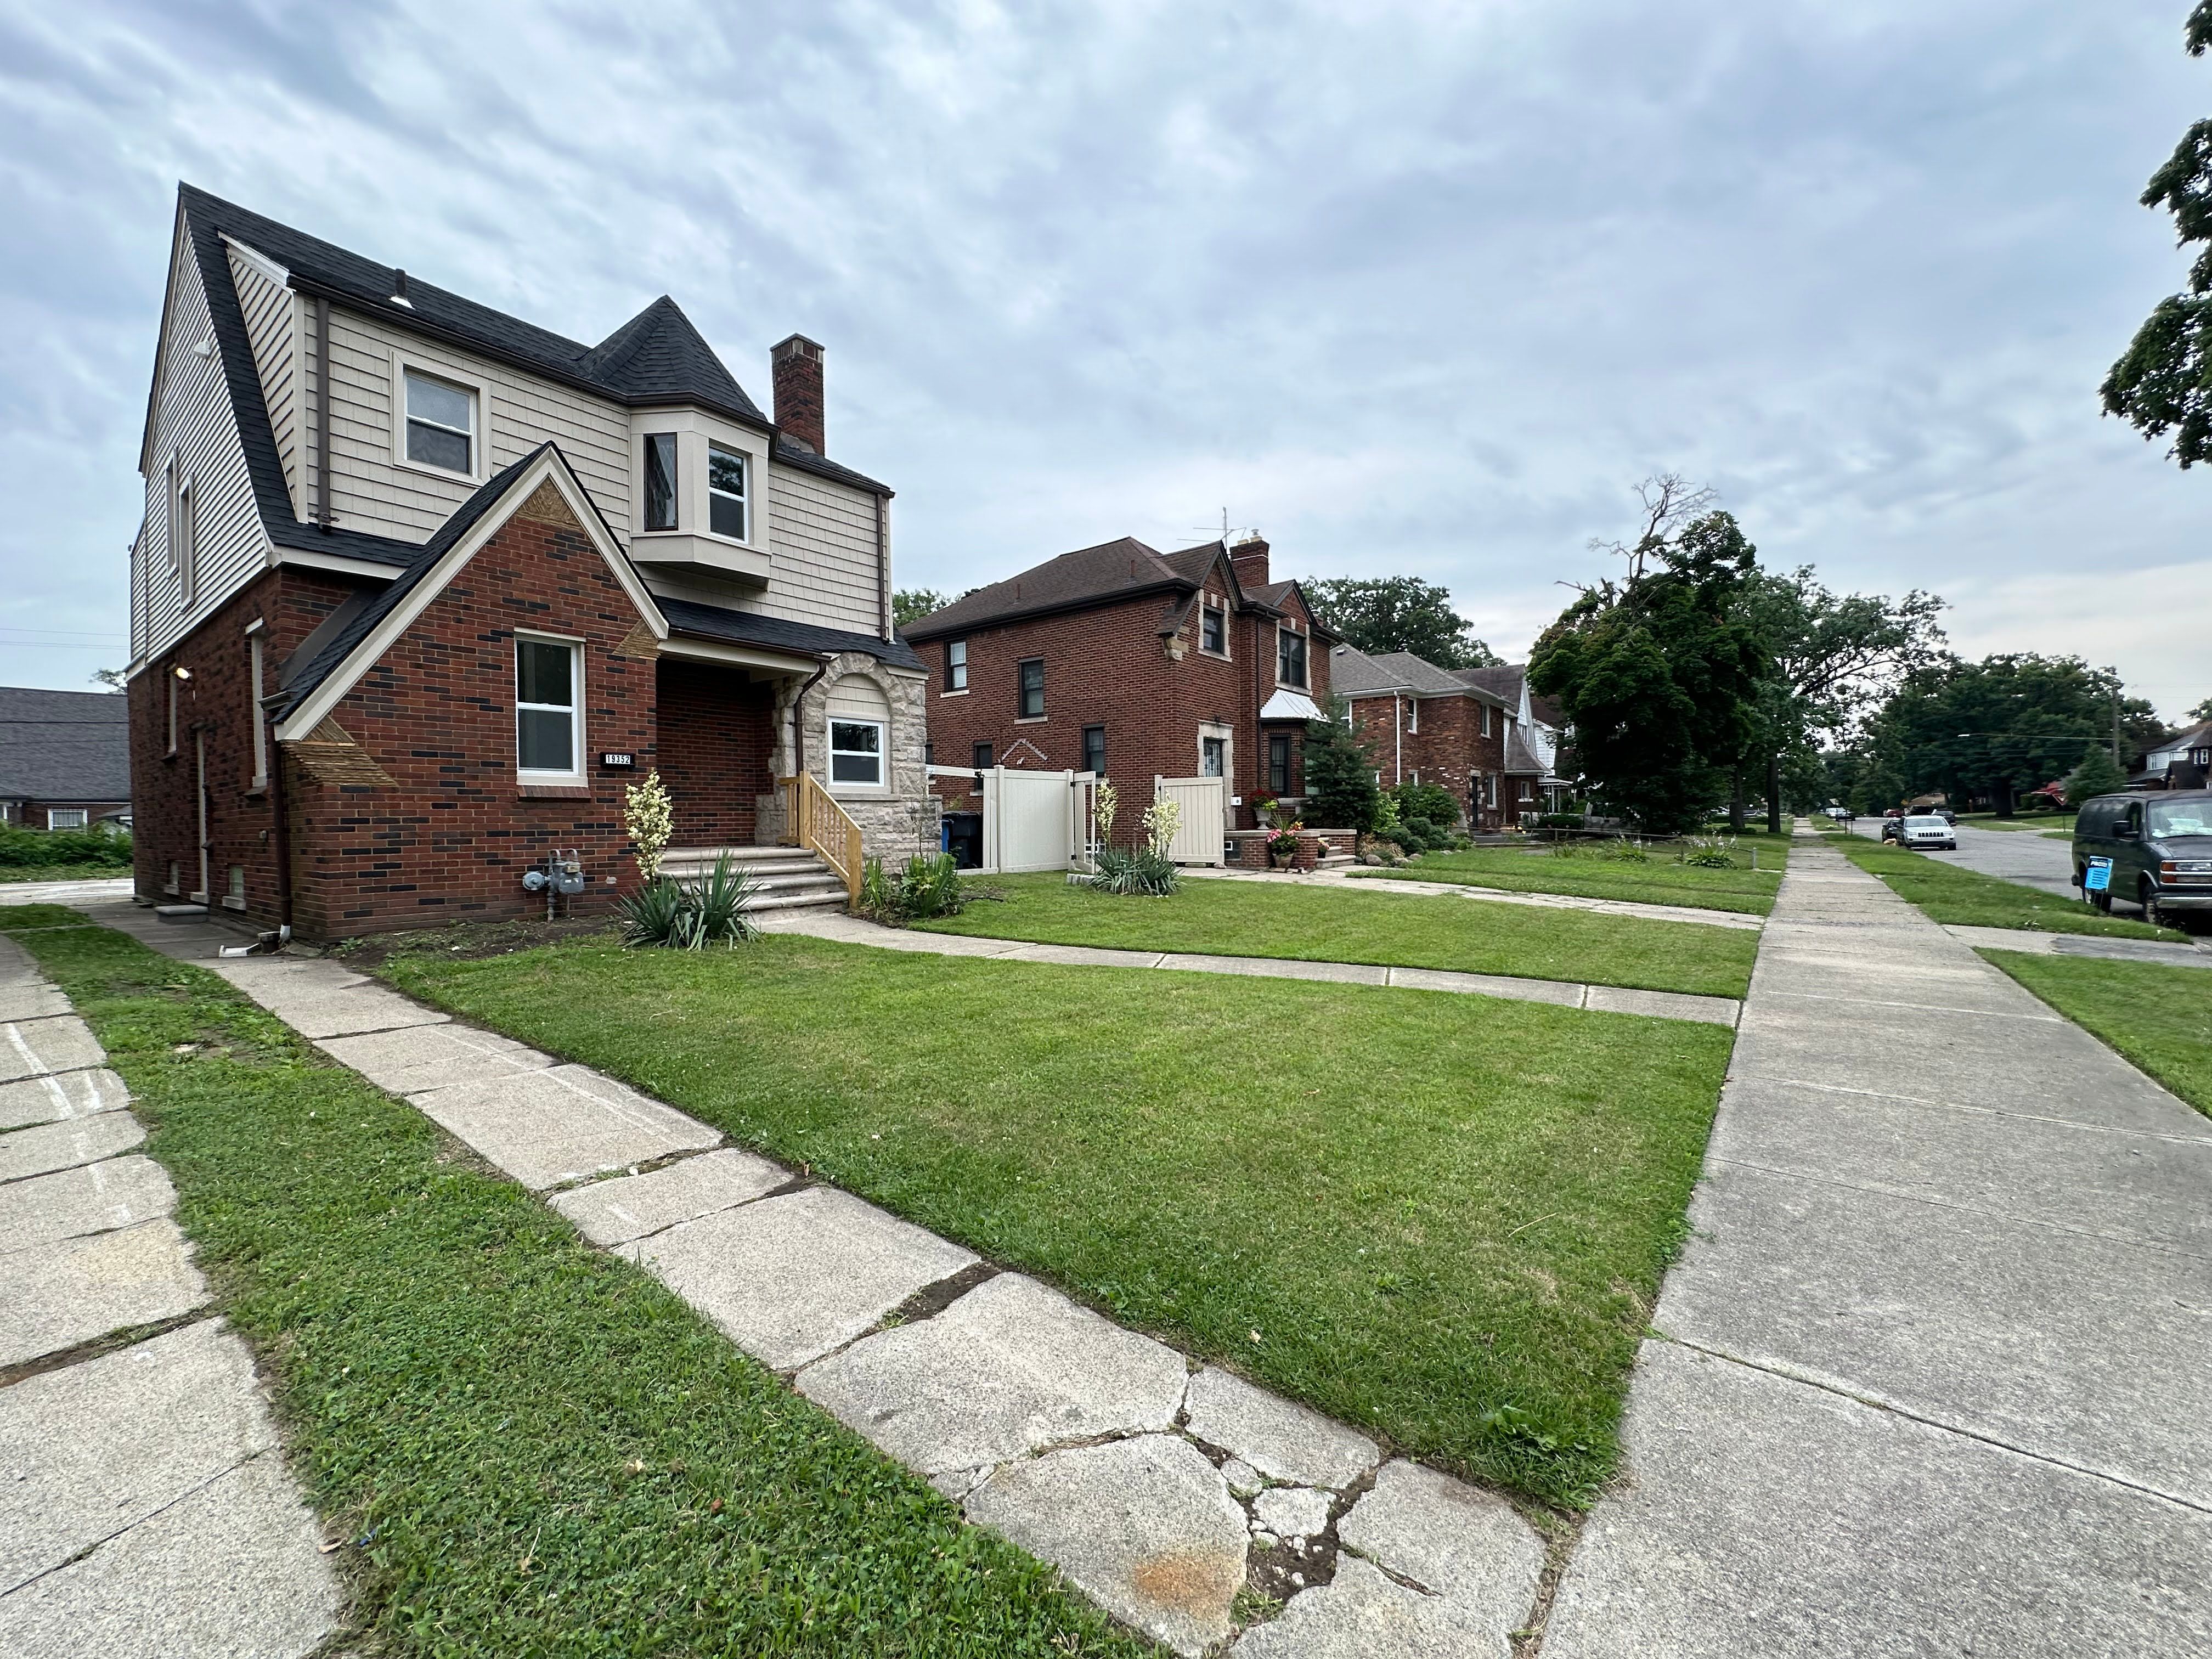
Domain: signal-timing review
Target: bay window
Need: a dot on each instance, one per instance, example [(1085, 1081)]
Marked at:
[(725, 492), (660, 481)]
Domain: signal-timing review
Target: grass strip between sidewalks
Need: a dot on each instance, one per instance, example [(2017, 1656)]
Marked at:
[(1218, 917), (1443, 1218), (1589, 872), (540, 1449), (2159, 1017), (1967, 898)]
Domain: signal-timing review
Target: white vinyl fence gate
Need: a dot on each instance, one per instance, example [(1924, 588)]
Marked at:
[(1032, 820), (1198, 838)]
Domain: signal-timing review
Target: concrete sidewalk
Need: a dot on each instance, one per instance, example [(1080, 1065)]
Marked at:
[(1160, 1487), (144, 1507), (1932, 1376), (1604, 999)]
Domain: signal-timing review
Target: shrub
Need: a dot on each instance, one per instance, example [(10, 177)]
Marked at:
[(1143, 873), (1625, 851), (928, 886), (1559, 821), (1427, 801), (690, 915), (51, 849), (1708, 853), (1387, 820)]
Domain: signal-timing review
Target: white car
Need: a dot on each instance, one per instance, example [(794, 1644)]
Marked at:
[(1923, 834), (1836, 812)]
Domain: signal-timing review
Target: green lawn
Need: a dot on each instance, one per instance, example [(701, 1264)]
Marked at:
[(2049, 823), (29, 872), (1413, 1210), (1588, 873), (1967, 898), (1402, 930), (541, 1450), (2160, 1017)]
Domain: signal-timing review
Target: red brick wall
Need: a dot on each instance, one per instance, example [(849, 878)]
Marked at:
[(716, 739), (1110, 666), (452, 839), (216, 708), (1449, 750)]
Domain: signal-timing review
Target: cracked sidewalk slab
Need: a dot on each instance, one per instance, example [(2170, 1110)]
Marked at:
[(55, 1097), (59, 1296)]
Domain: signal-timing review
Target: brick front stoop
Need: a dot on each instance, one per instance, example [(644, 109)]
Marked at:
[(144, 1506), (1160, 1487)]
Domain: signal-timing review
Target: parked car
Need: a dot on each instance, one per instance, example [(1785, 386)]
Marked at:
[(1925, 832), (1840, 813), (2154, 848), (1891, 822)]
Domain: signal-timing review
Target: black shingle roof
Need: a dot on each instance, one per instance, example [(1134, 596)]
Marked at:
[(713, 622), (656, 357), (300, 683), (64, 745)]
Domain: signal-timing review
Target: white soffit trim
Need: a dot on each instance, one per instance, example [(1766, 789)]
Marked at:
[(306, 559), (744, 656), (549, 467), (1286, 705), (260, 261)]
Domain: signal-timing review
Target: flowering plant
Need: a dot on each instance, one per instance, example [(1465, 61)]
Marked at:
[(1162, 819), (1283, 843), (650, 818)]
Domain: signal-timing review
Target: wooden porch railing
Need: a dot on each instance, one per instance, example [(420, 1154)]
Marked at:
[(813, 820)]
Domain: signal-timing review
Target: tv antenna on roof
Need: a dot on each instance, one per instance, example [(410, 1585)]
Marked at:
[(1210, 530)]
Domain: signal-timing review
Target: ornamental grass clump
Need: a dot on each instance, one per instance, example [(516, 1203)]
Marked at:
[(690, 916)]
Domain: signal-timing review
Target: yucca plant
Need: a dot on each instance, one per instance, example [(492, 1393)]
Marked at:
[(690, 915)]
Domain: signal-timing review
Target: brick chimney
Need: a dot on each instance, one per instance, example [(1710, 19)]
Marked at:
[(797, 363), (1248, 559)]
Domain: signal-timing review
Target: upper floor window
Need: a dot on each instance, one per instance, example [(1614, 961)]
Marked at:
[(981, 755), (1094, 749), (441, 423), (660, 481), (1032, 684), (725, 492), (1290, 657), (548, 735), (1485, 720), (1412, 713), (956, 664), (1213, 629), (184, 530)]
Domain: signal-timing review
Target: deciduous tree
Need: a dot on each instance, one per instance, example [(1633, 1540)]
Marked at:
[(1398, 613), (913, 604)]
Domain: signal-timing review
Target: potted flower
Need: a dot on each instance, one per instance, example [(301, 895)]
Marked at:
[(1263, 808), (1283, 847)]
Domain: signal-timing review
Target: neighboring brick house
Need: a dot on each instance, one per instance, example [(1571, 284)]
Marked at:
[(64, 757), (422, 588), (1425, 725), (1138, 663), (1532, 744)]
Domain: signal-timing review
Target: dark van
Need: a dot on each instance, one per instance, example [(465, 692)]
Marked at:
[(2156, 849)]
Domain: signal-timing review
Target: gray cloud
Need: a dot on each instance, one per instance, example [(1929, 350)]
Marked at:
[(1410, 286)]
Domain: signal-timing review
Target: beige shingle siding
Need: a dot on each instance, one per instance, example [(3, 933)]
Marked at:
[(822, 535), (272, 324), (193, 420), (375, 496)]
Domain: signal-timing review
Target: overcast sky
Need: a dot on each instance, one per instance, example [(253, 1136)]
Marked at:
[(1409, 288)]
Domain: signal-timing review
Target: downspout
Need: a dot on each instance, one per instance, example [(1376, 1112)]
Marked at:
[(324, 516), (278, 807), (799, 715), (1397, 741)]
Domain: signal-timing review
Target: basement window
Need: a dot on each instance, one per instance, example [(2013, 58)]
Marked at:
[(548, 736), (441, 424), (725, 492)]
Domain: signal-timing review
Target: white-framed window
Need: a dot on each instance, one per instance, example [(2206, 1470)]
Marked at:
[(725, 492), (184, 529), (440, 423), (856, 752), (549, 726), (1214, 628), (660, 475), (1485, 720), (253, 673), (1412, 713), (1290, 657), (66, 817), (956, 664)]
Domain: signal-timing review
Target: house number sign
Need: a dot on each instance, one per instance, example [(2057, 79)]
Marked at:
[(617, 759)]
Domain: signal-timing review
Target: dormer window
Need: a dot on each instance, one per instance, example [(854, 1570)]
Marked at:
[(660, 481), (441, 424), (1290, 657), (1214, 628), (725, 492)]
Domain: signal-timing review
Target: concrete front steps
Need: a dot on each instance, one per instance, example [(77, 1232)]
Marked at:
[(788, 877)]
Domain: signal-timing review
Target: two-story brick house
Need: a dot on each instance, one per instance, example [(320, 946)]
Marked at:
[(1136, 664), (1532, 740), (1426, 724), (422, 586)]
